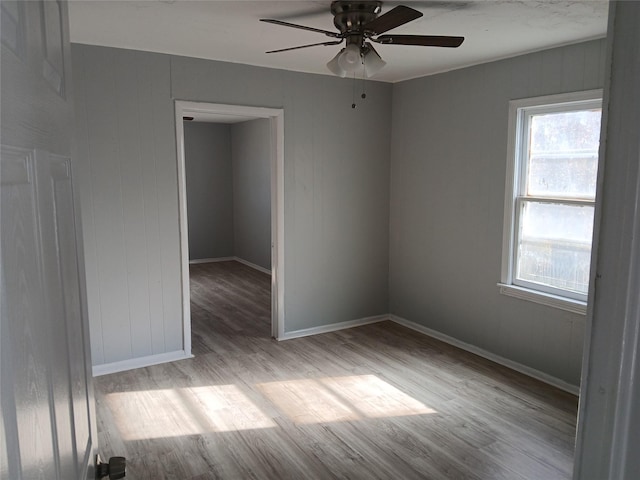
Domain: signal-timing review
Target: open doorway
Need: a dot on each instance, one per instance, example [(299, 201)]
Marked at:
[(247, 119)]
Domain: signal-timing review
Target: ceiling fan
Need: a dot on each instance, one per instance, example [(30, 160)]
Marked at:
[(358, 24)]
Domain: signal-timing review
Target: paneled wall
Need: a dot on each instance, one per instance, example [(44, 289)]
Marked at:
[(209, 176), (127, 169), (228, 171), (336, 183), (251, 157), (336, 193), (448, 157)]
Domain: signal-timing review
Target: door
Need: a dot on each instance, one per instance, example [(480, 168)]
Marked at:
[(47, 423)]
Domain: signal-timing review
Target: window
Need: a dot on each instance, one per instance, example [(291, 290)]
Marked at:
[(550, 197)]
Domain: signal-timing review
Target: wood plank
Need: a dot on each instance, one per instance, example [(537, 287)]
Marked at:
[(378, 401), (133, 214), (145, 70), (161, 109), (82, 173), (108, 209)]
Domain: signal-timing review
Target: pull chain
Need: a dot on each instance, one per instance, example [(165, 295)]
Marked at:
[(353, 105), (364, 94)]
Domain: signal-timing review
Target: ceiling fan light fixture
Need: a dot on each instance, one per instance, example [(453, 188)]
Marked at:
[(334, 66), (372, 63), (349, 58)]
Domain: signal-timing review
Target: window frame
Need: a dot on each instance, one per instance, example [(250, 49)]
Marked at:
[(520, 112)]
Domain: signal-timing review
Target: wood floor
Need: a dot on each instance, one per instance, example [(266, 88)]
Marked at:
[(373, 402)]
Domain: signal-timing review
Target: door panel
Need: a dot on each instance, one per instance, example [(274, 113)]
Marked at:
[(45, 390), (47, 425), (62, 200), (26, 409)]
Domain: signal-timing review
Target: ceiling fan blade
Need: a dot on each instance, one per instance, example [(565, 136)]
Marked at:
[(301, 27), (393, 18), (337, 42), (423, 40)]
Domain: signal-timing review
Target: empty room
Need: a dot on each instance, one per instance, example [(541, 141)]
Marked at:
[(320, 239)]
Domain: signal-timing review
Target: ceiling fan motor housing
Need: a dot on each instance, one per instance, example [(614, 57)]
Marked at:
[(352, 16)]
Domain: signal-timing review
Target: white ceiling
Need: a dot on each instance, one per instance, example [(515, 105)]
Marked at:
[(231, 31)]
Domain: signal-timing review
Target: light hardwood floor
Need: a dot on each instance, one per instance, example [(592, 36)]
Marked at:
[(373, 402)]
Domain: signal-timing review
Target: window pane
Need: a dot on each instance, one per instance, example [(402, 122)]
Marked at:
[(563, 154), (554, 247)]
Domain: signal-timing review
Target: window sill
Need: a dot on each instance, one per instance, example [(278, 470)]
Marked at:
[(562, 303)]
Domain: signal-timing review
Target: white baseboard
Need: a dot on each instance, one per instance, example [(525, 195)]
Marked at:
[(211, 260), (230, 259), (139, 362), (146, 361), (518, 367), (252, 265), (305, 332)]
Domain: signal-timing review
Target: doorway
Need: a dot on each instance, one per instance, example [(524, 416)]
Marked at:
[(219, 113)]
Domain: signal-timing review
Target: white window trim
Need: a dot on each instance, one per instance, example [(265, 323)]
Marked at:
[(513, 175)]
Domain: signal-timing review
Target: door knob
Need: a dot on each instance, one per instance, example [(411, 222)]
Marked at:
[(115, 469)]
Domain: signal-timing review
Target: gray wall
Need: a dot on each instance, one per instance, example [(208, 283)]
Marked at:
[(209, 173), (336, 189), (228, 170), (250, 147), (448, 157), (126, 159)]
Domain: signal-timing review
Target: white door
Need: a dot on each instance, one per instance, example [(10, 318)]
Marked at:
[(47, 423)]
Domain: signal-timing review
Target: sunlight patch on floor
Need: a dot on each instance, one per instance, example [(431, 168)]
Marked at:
[(225, 408), (334, 399), (184, 411)]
